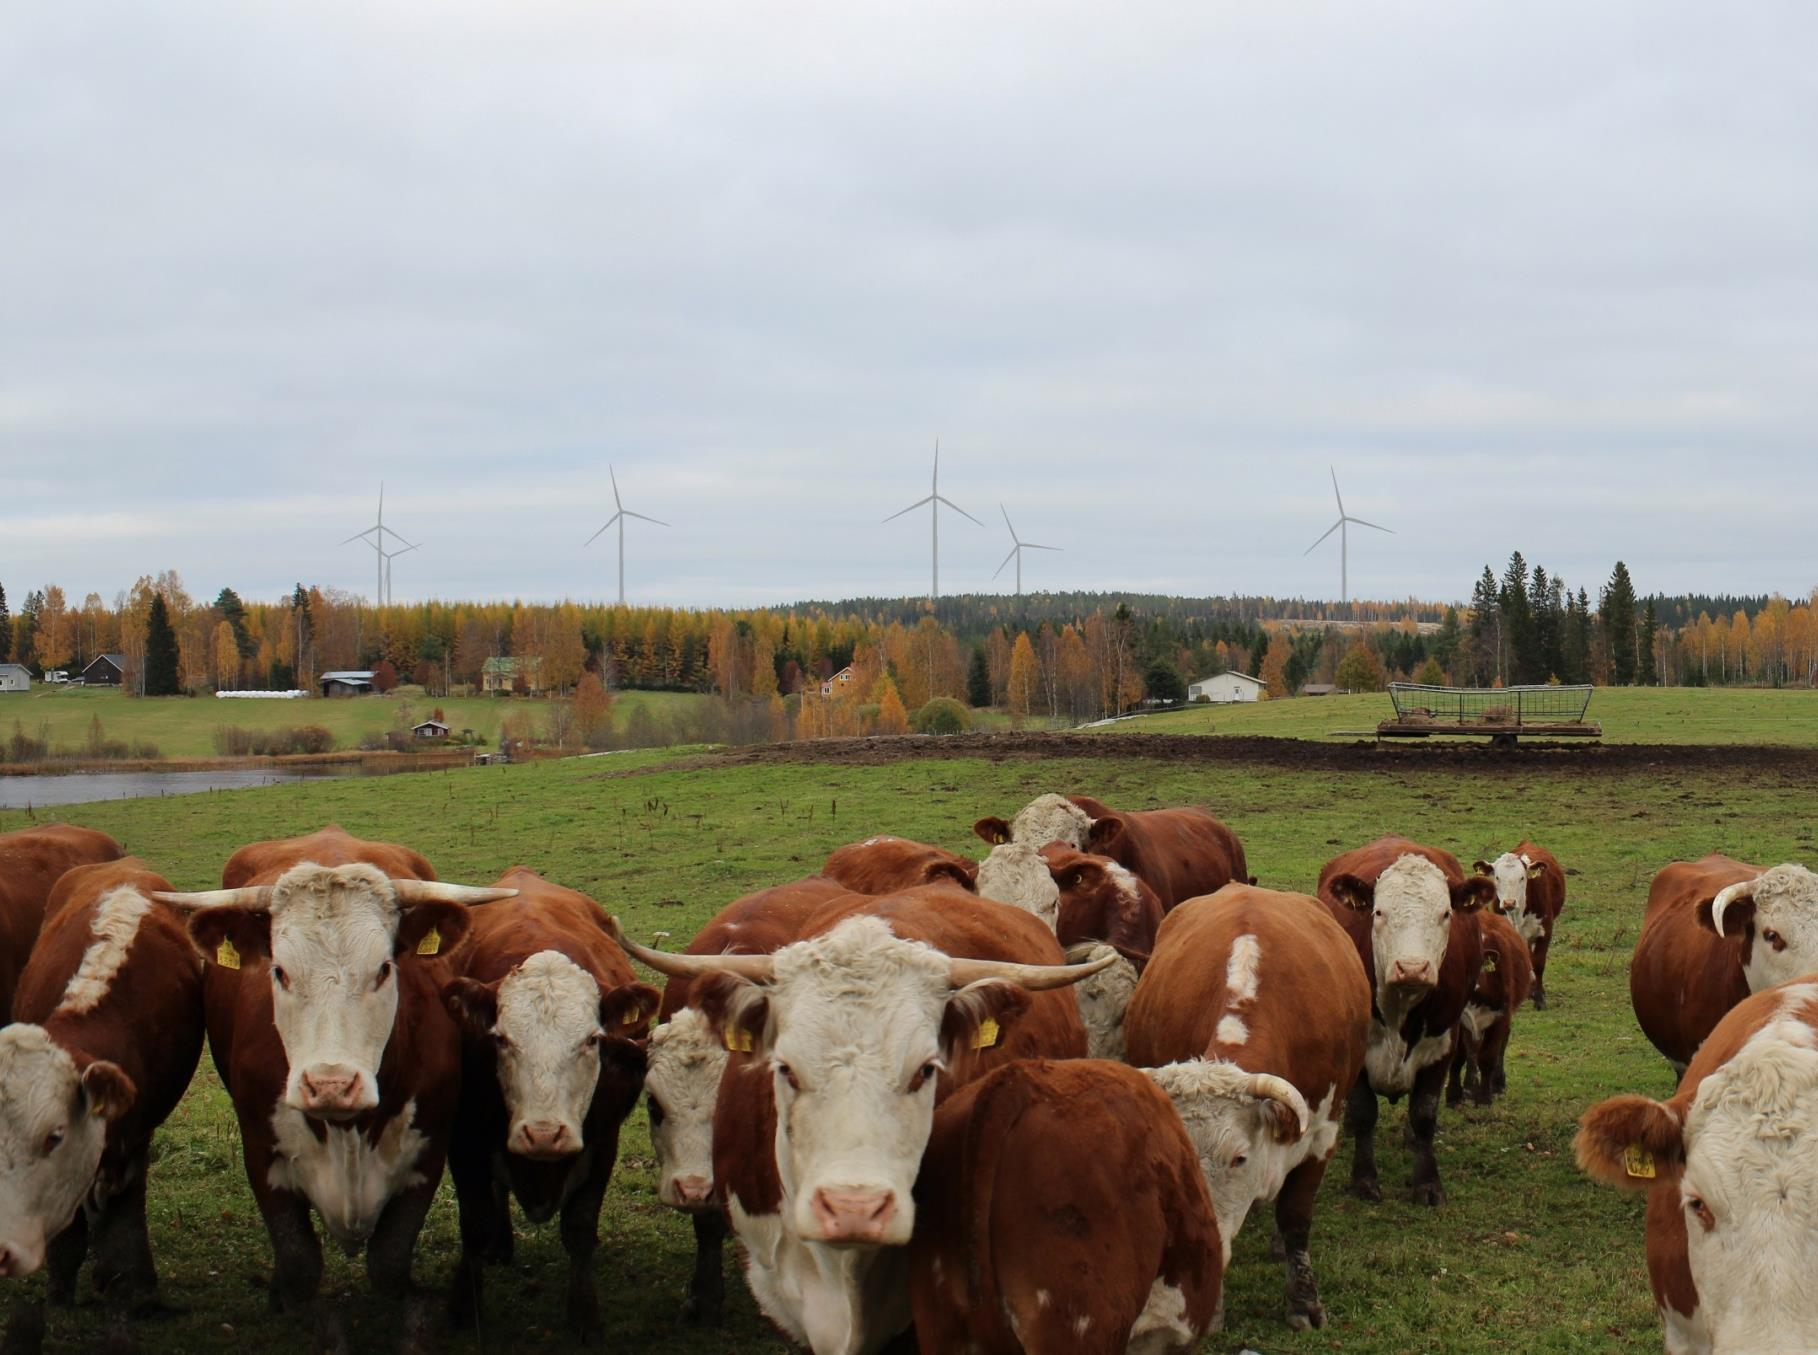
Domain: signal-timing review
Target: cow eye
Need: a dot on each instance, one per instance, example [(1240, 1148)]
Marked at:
[(1240, 1159), (279, 977), (51, 1140), (787, 1073), (1379, 915), (384, 973), (1772, 937), (655, 1107), (500, 1040), (922, 1075), (593, 1039), (1701, 1211)]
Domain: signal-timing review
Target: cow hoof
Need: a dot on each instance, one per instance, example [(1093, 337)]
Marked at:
[(1307, 1318), (1454, 1099), (1367, 1189), (1429, 1194), (25, 1332), (584, 1323), (699, 1312)]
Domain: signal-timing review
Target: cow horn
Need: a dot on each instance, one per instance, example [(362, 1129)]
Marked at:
[(247, 896), (1269, 1087), (1035, 977), (1725, 897), (753, 968), (434, 891)]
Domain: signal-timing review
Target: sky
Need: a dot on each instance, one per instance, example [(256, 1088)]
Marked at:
[(1534, 276)]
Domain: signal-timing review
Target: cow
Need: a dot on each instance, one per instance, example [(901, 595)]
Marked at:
[(1730, 1167), (1090, 902), (553, 1061), (1489, 1014), (31, 860), (1715, 931), (687, 1058), (1407, 909), (841, 1041), (108, 1029), (1253, 1017), (322, 995), (1036, 1142), (1179, 853), (883, 865), (1530, 892)]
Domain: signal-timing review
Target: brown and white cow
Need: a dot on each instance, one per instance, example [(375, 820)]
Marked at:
[(325, 1020), (1252, 1017), (687, 1058), (1407, 909), (1040, 1141), (1089, 901), (883, 865), (1730, 1164), (843, 1039), (31, 860), (1179, 853), (1530, 892), (1715, 931), (109, 1028), (1489, 1014), (554, 1021)]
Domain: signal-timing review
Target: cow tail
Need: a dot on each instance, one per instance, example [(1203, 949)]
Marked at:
[(989, 1129)]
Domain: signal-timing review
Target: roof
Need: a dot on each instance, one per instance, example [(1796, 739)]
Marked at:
[(1244, 676), (10, 667), (505, 665), (1318, 689), (431, 724), (347, 675), (117, 660)]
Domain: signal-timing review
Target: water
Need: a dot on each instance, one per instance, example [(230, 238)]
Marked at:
[(16, 792)]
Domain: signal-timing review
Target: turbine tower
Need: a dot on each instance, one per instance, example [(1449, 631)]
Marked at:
[(934, 501), (391, 555), (376, 534), (1344, 540), (620, 513), (1016, 551)]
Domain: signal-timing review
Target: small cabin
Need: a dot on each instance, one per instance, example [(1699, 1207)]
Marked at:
[(346, 682), (838, 680), (1225, 688), (430, 729), (1319, 689), (105, 670), (15, 677), (504, 675)]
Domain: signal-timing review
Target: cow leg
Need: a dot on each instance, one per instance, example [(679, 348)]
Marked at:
[(707, 1286), (477, 1202), (296, 1272), (1294, 1225), (64, 1258), (1454, 1083), (24, 1329), (394, 1239), (1490, 1059), (1360, 1124), (1539, 952), (123, 1253), (1423, 1119), (580, 1238)]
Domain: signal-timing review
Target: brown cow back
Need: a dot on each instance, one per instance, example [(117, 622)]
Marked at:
[(1683, 977), (1181, 853), (31, 862), (883, 865)]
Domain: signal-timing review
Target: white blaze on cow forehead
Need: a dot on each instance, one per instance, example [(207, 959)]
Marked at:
[(548, 1067), (1511, 875), (1016, 874), (548, 993), (115, 925), (1051, 818), (41, 1186)]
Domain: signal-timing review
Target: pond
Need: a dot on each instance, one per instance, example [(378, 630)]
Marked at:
[(16, 792)]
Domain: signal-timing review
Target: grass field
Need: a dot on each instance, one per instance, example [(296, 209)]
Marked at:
[(1526, 1256), (184, 726), (1627, 714)]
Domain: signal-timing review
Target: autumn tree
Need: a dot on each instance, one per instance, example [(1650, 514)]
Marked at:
[(6, 629), (593, 710), (227, 657), (1274, 673), (56, 641), (1360, 670), (384, 676), (160, 650), (892, 717), (1023, 675)]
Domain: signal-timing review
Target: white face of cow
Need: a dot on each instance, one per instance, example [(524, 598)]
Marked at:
[(1052, 818), (547, 1039), (1510, 873), (687, 1059), (1782, 906), (1017, 874), (1103, 999), (1410, 925), (1246, 1143), (53, 1126)]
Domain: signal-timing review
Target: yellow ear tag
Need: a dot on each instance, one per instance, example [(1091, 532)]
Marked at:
[(1489, 962), (738, 1041), (431, 942), (1638, 1162), (987, 1034), (226, 956)]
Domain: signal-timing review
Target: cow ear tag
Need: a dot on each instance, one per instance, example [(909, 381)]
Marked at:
[(738, 1041), (987, 1034), (431, 942), (1638, 1162), (226, 956), (1489, 962)]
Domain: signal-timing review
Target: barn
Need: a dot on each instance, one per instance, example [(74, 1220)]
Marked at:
[(346, 682), (15, 677), (1226, 688), (105, 670)]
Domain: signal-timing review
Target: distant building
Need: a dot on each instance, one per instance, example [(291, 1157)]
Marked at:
[(56, 677), (1226, 688), (15, 677), (346, 682), (105, 670), (838, 680), (430, 729), (501, 675), (1319, 689)]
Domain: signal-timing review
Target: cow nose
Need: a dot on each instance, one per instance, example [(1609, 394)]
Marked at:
[(543, 1138), (1412, 973), (691, 1192), (331, 1091), (853, 1215)]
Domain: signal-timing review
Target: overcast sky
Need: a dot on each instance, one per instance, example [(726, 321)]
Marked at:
[(1536, 276)]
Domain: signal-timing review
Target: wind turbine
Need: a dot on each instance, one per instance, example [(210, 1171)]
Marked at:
[(1016, 551), (934, 501), (1344, 541), (391, 555), (619, 515), (376, 534)]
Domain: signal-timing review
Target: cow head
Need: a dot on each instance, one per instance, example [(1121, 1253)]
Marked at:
[(687, 1059), (1776, 917), (334, 939), (53, 1126), (856, 1025), (1741, 1163), (1411, 908), (1245, 1128), (550, 1028), (1104, 998), (1045, 819), (1510, 874)]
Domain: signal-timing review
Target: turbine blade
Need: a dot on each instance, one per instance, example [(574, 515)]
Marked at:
[(642, 518), (1007, 559), (1006, 512), (1315, 546), (1361, 523), (911, 508), (1030, 545), (1335, 493), (616, 503), (590, 540), (359, 536), (956, 508)]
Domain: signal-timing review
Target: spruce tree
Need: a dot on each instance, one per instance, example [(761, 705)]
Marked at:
[(1447, 640), (1618, 615), (6, 629), (25, 651), (1576, 666), (1486, 629), (1644, 645), (160, 652), (1518, 623), (978, 679)]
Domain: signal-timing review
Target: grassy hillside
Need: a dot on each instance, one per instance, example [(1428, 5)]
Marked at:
[(1526, 1257)]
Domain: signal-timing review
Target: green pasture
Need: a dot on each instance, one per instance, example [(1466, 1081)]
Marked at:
[(1526, 1256)]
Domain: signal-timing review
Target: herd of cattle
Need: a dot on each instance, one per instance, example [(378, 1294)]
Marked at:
[(1018, 1104)]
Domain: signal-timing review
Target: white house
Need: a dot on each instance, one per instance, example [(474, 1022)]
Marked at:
[(15, 677), (1226, 687)]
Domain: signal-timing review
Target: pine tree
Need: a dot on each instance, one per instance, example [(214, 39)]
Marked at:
[(1644, 645), (160, 651), (1576, 663), (6, 629), (978, 679), (1518, 632), (1486, 629), (1446, 642), (1618, 615)]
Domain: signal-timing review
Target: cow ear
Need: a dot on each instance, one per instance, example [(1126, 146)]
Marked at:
[(737, 1008), (431, 929), (1738, 913), (1352, 892), (1087, 874), (1535, 868), (1483, 868), (994, 831), (1104, 835), (107, 1091), (1470, 895), (1631, 1142), (474, 1006), (963, 876), (1279, 1121), (626, 1011), (230, 935), (978, 1015)]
